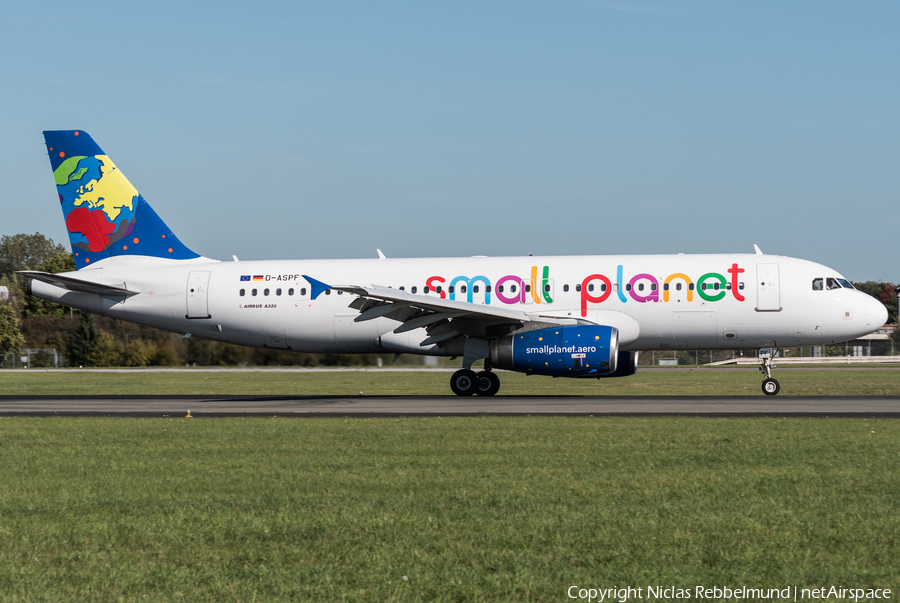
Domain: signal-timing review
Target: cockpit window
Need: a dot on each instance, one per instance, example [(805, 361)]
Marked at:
[(833, 284), (845, 283), (817, 284)]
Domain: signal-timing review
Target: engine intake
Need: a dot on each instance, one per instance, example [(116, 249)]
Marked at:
[(576, 351)]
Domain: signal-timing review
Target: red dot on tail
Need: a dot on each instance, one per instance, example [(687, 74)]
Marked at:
[(62, 154), (76, 133)]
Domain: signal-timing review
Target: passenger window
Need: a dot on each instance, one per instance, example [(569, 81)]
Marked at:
[(499, 288), (566, 288), (450, 289), (265, 292), (591, 287), (728, 286), (291, 292), (438, 289), (547, 288), (703, 286), (512, 288), (716, 286), (488, 288), (640, 286), (740, 286), (527, 288), (628, 287), (402, 288), (832, 283), (474, 289), (691, 287), (303, 291), (253, 292), (426, 289), (327, 291), (817, 284), (578, 288), (678, 286), (414, 289), (665, 286), (653, 286), (243, 291), (603, 287), (277, 291)]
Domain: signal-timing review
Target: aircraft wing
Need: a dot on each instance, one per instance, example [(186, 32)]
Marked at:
[(76, 284), (443, 319)]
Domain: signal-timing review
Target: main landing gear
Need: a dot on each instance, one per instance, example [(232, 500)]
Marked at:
[(770, 386), (465, 382)]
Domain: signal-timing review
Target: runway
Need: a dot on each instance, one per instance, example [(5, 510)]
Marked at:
[(424, 406)]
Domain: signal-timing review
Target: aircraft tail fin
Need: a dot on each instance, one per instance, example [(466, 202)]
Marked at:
[(105, 215)]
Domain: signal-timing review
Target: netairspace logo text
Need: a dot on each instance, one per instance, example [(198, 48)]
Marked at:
[(790, 593)]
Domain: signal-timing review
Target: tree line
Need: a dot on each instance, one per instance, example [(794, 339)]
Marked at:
[(83, 339), (27, 322)]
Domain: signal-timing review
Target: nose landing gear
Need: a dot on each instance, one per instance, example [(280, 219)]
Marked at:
[(770, 386)]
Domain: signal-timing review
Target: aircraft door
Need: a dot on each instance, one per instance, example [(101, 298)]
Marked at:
[(768, 295), (302, 289), (197, 294), (530, 290), (479, 292), (694, 329)]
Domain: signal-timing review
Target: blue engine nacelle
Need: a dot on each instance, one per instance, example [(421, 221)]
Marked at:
[(576, 351)]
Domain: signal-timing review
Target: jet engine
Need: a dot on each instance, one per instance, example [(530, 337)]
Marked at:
[(571, 351)]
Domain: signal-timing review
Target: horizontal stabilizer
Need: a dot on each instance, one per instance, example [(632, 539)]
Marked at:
[(77, 284)]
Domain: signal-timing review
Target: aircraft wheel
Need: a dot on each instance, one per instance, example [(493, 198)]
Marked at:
[(771, 387), (464, 382), (488, 383)]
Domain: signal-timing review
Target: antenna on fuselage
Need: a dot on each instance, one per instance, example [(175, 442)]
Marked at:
[(758, 250)]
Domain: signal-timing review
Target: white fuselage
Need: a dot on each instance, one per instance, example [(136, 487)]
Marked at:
[(657, 302)]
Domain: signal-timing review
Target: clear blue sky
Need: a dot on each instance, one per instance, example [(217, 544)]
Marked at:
[(327, 129)]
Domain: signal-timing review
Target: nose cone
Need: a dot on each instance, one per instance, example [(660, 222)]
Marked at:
[(876, 314)]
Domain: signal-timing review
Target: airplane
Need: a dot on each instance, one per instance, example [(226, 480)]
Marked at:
[(557, 316)]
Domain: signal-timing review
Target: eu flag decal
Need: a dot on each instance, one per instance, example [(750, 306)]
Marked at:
[(245, 278)]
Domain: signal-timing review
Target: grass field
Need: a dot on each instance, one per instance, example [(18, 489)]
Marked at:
[(477, 509), (704, 381), (467, 509)]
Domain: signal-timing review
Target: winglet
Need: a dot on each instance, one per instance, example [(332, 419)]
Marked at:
[(316, 287), (758, 251)]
